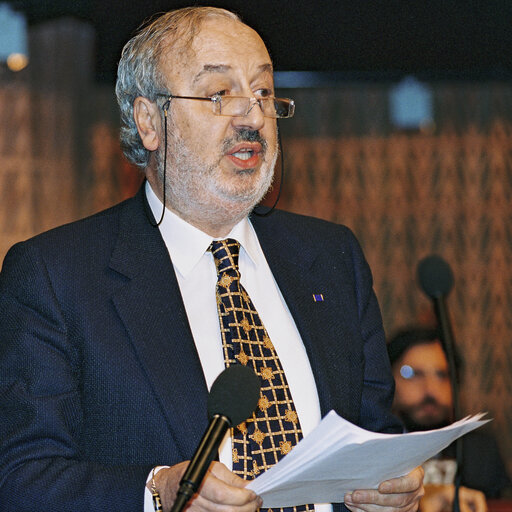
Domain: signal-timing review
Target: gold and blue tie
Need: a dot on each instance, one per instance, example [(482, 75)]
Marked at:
[(261, 441)]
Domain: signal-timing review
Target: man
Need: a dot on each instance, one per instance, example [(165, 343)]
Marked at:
[(109, 330), (423, 400), (423, 394)]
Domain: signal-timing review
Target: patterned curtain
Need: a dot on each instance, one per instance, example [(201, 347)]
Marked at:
[(409, 196)]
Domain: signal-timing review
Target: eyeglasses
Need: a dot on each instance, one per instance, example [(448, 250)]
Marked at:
[(240, 106)]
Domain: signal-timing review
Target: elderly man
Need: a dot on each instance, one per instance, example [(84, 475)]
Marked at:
[(114, 327)]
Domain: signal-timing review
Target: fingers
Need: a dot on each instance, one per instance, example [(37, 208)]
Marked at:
[(220, 489), (200, 504), (373, 501), (401, 494), (407, 483), (223, 473), (223, 487)]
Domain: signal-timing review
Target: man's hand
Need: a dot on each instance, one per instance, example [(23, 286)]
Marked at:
[(439, 498), (220, 487), (402, 493)]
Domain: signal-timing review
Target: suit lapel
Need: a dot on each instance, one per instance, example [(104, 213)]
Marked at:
[(302, 270), (150, 306)]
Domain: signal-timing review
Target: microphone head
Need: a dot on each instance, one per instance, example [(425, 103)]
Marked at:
[(435, 276), (234, 394)]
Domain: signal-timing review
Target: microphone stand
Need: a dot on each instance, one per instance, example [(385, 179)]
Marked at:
[(448, 343), (436, 280)]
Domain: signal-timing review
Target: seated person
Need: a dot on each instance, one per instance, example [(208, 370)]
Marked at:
[(423, 400)]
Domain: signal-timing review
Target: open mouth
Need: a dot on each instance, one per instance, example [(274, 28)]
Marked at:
[(245, 155)]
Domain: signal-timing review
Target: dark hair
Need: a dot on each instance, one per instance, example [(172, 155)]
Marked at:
[(405, 339)]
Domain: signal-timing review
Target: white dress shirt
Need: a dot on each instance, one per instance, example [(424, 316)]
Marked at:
[(197, 278)]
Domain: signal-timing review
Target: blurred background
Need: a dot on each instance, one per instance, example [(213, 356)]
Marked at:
[(403, 132)]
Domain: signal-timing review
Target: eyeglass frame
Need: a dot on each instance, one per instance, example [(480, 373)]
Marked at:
[(216, 99)]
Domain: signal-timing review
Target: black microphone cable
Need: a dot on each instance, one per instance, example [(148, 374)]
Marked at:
[(272, 208)]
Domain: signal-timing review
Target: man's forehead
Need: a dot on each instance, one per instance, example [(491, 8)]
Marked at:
[(226, 41), (219, 46), (213, 69), (425, 354)]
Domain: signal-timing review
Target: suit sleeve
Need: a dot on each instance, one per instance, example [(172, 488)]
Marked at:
[(41, 465), (378, 384)]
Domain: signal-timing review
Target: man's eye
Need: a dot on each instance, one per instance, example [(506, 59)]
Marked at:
[(222, 92), (263, 93), (407, 372)]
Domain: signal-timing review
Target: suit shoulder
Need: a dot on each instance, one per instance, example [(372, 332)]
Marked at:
[(306, 231), (75, 243), (301, 237), (281, 219), (75, 231)]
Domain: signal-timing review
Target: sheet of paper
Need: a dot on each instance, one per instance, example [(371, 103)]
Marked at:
[(338, 457)]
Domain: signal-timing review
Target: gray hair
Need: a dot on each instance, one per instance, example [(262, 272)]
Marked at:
[(139, 73)]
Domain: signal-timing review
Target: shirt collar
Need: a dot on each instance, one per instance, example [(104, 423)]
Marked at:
[(187, 244)]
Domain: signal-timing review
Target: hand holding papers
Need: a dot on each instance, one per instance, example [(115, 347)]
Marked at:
[(338, 457)]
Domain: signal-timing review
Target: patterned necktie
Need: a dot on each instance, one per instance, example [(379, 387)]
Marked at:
[(274, 428)]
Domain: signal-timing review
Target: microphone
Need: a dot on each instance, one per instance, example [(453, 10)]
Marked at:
[(435, 275), (233, 397), (436, 280)]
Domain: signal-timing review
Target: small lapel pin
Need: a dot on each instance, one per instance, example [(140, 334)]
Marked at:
[(318, 297)]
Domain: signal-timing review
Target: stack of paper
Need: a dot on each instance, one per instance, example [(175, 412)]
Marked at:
[(338, 457)]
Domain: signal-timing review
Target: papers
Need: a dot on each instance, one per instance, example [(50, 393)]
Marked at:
[(338, 457)]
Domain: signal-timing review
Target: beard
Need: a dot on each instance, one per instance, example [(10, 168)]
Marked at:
[(199, 189), (414, 421)]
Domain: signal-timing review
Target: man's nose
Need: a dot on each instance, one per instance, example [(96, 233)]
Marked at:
[(253, 120), (433, 387)]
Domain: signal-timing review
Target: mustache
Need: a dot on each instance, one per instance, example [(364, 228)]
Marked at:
[(245, 135), (429, 400)]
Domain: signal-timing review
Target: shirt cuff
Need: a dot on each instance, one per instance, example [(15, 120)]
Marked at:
[(148, 498)]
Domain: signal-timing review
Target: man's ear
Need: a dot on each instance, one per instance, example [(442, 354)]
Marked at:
[(147, 118)]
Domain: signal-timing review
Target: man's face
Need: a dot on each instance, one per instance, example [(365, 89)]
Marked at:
[(423, 395), (218, 166)]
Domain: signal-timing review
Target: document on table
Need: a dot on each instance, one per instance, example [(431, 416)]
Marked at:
[(338, 457)]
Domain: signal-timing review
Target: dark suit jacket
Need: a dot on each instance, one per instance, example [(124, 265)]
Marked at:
[(99, 376)]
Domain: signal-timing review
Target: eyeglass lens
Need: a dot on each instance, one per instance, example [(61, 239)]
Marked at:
[(241, 106)]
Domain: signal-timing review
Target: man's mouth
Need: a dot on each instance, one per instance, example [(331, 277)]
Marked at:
[(245, 155), (430, 408)]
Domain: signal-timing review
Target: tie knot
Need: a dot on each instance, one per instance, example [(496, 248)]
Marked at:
[(225, 254)]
